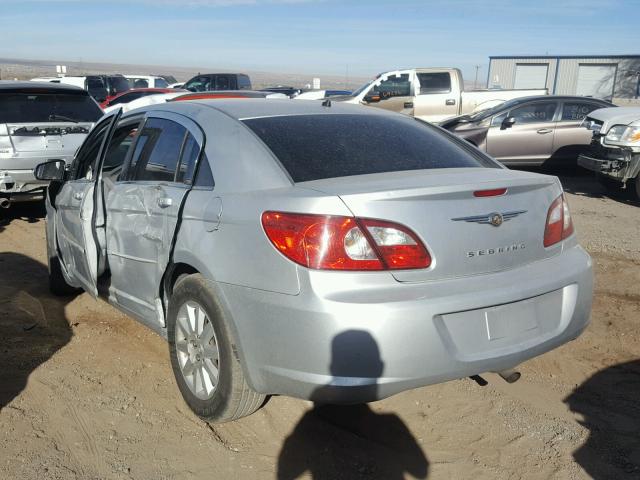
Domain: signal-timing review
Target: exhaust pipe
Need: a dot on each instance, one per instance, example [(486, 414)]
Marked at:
[(5, 203), (510, 375)]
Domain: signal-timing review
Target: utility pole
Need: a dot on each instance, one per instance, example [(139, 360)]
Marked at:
[(475, 82)]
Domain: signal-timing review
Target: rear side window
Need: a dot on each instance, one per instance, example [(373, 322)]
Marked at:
[(576, 111), (47, 107), (158, 150), (188, 160), (439, 82), (314, 147), (244, 83)]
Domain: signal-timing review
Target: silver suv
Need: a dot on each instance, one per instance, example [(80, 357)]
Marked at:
[(335, 253), (39, 122)]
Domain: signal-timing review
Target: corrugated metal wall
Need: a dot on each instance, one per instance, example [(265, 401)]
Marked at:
[(502, 72)]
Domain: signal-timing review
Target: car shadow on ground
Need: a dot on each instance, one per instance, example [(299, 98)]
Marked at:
[(32, 321), (609, 403), (578, 181), (351, 441), (31, 212)]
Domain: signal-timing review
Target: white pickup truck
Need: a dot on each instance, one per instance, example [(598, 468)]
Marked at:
[(432, 94)]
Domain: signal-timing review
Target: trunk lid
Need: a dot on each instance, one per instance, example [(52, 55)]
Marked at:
[(440, 207), (41, 137)]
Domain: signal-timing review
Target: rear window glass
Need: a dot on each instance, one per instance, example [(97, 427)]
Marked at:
[(46, 107), (313, 147)]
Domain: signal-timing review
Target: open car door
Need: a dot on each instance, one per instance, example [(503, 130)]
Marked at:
[(76, 212)]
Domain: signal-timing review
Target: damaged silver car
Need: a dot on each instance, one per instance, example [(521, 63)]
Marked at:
[(614, 153), (329, 252), (39, 122)]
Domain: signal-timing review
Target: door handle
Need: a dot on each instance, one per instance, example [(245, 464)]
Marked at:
[(450, 101), (408, 104), (164, 202), (78, 196), (542, 131)]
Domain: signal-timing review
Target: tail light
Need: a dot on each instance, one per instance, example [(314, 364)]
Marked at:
[(328, 242), (559, 224)]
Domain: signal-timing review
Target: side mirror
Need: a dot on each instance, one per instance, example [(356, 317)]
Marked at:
[(372, 98), (508, 123), (50, 171)]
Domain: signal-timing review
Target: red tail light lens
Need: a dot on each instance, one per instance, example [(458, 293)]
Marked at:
[(559, 223), (344, 243), (494, 192)]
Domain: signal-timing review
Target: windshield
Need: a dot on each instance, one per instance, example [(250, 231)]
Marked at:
[(314, 147), (361, 89), (43, 107), (161, 83)]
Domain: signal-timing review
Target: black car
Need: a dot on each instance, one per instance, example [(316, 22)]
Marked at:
[(208, 82)]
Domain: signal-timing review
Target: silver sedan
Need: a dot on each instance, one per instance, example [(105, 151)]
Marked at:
[(329, 252)]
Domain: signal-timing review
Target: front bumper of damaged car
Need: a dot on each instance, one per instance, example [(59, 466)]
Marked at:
[(617, 162)]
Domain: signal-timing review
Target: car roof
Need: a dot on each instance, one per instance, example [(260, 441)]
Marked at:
[(11, 86), (241, 109), (557, 97)]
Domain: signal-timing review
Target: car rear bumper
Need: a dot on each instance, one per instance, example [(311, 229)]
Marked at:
[(21, 185), (339, 344)]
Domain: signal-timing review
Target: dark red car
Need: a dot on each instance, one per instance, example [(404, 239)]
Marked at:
[(134, 94)]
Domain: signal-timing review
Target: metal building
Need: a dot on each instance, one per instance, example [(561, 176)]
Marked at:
[(615, 78)]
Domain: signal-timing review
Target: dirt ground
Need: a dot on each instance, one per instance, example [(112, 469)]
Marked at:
[(88, 393)]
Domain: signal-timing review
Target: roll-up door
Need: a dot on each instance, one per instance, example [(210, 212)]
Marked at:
[(531, 76), (596, 81)]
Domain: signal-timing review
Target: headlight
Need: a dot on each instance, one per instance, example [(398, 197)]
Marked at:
[(623, 134)]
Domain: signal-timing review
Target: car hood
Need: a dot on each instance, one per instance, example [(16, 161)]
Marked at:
[(616, 116)]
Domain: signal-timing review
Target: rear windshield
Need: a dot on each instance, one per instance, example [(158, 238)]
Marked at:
[(313, 147), (47, 107)]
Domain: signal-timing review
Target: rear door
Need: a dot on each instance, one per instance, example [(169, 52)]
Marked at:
[(393, 91), (143, 211), (75, 212), (527, 142), (571, 138), (436, 98)]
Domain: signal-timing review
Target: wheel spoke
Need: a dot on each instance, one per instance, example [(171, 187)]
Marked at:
[(201, 317), (211, 370), (211, 352), (191, 316), (182, 347), (182, 323), (188, 368), (207, 332)]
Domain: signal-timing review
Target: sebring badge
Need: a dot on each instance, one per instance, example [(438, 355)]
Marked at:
[(496, 219)]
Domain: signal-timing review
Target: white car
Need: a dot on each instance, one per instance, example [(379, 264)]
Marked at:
[(144, 101), (146, 81)]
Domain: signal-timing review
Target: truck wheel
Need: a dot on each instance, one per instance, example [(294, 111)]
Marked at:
[(636, 184), (57, 284), (203, 358)]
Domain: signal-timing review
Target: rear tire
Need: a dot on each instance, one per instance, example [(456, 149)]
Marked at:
[(57, 284), (201, 346)]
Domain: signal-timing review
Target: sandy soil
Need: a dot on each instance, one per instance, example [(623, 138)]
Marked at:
[(87, 393)]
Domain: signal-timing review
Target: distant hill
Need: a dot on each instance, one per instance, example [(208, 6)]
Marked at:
[(11, 68)]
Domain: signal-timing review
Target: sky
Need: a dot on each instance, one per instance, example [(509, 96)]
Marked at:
[(341, 37)]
